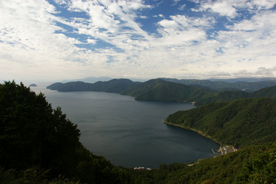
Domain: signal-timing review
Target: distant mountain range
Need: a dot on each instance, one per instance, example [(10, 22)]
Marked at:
[(226, 86), (164, 90), (269, 92)]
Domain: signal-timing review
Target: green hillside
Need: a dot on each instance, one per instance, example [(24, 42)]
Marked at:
[(160, 90), (242, 122), (112, 86), (220, 85), (143, 87), (269, 92), (253, 164), (222, 97)]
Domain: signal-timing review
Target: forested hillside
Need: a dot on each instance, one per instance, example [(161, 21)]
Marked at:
[(112, 86), (225, 86), (253, 164), (240, 123), (269, 92), (160, 90)]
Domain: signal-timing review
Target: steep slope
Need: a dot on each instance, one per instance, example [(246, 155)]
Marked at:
[(241, 122), (253, 164), (269, 92)]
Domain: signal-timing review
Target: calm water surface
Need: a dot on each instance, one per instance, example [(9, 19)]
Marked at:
[(128, 132)]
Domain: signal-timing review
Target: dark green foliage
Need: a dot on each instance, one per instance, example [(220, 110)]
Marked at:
[(113, 86), (33, 135), (242, 122), (31, 176), (253, 164), (269, 92)]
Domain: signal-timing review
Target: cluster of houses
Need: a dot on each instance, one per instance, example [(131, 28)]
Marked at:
[(227, 149), (142, 168)]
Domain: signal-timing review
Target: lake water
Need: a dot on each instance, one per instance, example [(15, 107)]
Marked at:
[(127, 132)]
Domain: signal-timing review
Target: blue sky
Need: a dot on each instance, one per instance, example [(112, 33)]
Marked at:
[(50, 40)]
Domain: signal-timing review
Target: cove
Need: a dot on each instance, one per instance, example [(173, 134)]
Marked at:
[(127, 132)]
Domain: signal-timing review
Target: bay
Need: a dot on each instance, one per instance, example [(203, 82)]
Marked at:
[(127, 132)]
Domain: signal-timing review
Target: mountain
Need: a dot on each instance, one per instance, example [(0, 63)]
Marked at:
[(89, 79), (269, 92), (55, 86), (160, 90), (242, 122), (222, 85), (113, 86), (245, 79), (222, 97)]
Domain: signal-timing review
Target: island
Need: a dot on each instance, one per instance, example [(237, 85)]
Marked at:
[(33, 85)]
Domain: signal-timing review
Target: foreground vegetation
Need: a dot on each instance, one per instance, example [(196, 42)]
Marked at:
[(35, 136), (39, 144)]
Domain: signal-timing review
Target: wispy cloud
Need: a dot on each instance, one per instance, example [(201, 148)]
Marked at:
[(74, 39)]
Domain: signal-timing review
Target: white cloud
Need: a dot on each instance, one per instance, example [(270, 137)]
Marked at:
[(33, 44), (224, 8), (91, 41), (229, 8), (143, 17), (264, 4)]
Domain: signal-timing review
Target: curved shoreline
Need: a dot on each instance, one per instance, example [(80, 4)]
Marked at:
[(197, 131)]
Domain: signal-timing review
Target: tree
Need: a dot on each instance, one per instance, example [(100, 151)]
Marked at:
[(32, 133)]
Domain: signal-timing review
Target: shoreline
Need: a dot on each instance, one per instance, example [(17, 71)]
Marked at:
[(197, 131)]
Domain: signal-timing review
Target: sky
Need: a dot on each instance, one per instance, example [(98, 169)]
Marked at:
[(186, 39)]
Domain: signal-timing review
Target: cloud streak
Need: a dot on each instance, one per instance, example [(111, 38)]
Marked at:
[(62, 39)]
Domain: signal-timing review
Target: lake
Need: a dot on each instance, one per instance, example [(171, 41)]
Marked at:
[(127, 132)]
